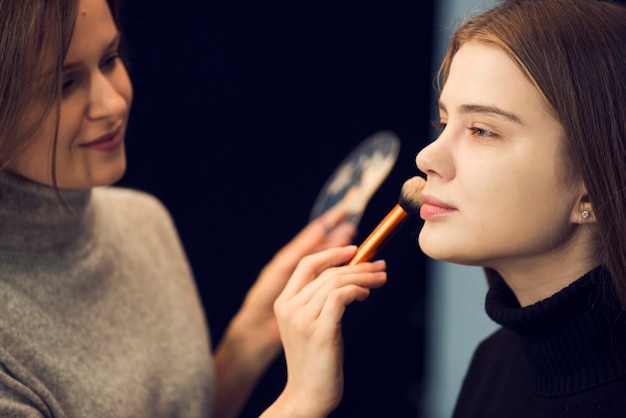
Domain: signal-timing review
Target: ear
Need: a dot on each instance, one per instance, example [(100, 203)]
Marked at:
[(582, 212)]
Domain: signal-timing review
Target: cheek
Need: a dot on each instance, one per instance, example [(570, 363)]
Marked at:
[(69, 125), (501, 209), (519, 193), (533, 211)]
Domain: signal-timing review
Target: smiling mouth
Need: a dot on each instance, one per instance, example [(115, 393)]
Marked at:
[(106, 142)]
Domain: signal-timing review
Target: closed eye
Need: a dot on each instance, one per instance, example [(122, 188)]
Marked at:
[(110, 61), (482, 132), (68, 85)]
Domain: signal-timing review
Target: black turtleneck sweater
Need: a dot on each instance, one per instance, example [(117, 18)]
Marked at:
[(562, 357)]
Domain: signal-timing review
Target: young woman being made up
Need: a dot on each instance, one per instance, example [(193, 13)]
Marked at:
[(528, 180)]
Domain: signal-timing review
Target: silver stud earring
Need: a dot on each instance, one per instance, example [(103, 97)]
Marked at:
[(585, 214)]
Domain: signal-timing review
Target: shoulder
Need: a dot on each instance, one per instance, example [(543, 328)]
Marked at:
[(129, 202), (500, 354), (132, 210), (497, 377), (123, 197), (128, 217), (502, 340)]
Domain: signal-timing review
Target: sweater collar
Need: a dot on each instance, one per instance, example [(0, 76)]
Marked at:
[(32, 218), (574, 340)]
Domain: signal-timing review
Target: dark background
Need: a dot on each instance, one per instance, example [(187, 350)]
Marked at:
[(242, 110)]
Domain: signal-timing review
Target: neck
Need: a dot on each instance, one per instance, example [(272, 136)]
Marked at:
[(33, 218), (540, 276), (572, 340)]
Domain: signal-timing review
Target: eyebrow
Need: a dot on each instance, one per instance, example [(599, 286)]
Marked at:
[(111, 45), (476, 108)]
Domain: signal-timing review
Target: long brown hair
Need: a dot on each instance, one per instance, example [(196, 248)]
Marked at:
[(573, 51), (35, 36)]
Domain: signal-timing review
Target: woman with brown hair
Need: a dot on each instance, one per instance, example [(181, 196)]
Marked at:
[(99, 314), (528, 180)]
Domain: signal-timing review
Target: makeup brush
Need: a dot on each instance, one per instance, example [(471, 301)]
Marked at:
[(409, 203)]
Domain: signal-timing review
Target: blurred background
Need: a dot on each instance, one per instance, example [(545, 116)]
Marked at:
[(242, 111)]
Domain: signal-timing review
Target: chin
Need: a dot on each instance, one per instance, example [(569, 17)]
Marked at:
[(104, 176), (109, 173), (107, 170), (110, 178), (427, 248), (440, 249)]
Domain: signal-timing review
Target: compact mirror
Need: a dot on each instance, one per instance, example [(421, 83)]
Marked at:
[(358, 176)]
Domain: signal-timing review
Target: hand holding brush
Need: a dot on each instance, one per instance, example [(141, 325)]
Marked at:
[(409, 203)]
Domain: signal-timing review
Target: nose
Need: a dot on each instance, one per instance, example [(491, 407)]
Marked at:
[(106, 101), (436, 159)]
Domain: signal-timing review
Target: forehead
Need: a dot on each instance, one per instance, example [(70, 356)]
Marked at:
[(481, 72), (94, 24), (484, 76)]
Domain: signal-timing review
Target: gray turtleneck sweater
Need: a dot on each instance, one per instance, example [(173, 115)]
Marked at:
[(99, 314)]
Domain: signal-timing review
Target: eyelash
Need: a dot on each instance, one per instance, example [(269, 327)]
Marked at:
[(110, 61), (484, 133), (475, 131), (440, 126)]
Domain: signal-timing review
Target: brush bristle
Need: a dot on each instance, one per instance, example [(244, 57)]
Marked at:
[(411, 194)]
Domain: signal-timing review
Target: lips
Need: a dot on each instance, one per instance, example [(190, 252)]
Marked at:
[(105, 143), (434, 208)]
